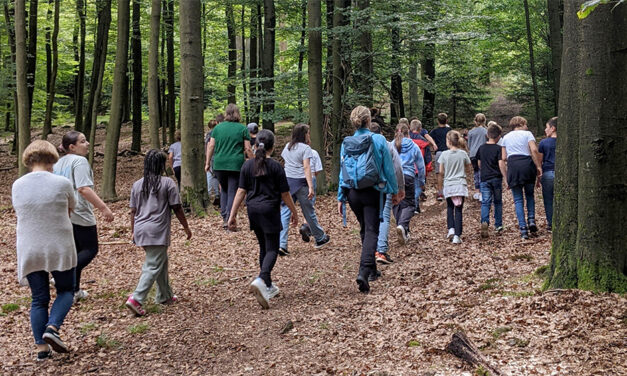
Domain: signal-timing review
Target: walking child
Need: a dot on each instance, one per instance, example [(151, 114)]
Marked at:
[(452, 180), (546, 149), (152, 199), (174, 157), (264, 184), (492, 169), (477, 136), (439, 136)]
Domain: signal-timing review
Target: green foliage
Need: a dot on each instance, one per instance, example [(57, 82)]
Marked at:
[(104, 341), (10, 307), (590, 5), (138, 328)]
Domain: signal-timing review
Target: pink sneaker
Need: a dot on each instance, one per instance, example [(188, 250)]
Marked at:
[(172, 300), (134, 306)]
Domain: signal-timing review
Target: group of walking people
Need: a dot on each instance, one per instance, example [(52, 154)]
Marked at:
[(56, 229)]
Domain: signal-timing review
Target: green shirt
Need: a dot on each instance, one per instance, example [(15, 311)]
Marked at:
[(229, 150)]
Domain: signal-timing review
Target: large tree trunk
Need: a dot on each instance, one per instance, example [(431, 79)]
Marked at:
[(232, 48), (117, 95), (163, 106), (100, 56), (193, 178), (136, 48), (314, 70), (79, 90), (52, 78), (171, 98), (532, 67), (414, 98), (590, 191), (301, 53), (364, 64), (31, 58), (269, 24), (397, 107), (428, 95), (9, 17), (555, 9), (253, 63), (23, 117), (328, 67), (153, 75)]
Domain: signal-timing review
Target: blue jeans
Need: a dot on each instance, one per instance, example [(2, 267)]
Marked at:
[(517, 192), (39, 283), (309, 213), (492, 190), (547, 180), (213, 185), (384, 226)]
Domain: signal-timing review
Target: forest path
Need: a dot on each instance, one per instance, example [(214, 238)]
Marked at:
[(488, 288), (502, 109)]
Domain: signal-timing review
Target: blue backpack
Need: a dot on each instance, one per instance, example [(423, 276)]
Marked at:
[(359, 164)]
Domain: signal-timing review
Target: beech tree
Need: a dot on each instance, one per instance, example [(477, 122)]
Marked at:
[(53, 67), (153, 74), (269, 24), (589, 235), (23, 114)]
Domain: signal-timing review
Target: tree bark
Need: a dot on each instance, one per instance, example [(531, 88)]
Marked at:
[(171, 102), (428, 96), (79, 90), (463, 348), (117, 96), (253, 63), (9, 17), (52, 78), (136, 48), (31, 58), (314, 70), (414, 99), (532, 68), (397, 107), (153, 74), (588, 249), (555, 9), (364, 66), (193, 178), (328, 69), (232, 48), (23, 118), (269, 24), (163, 105), (301, 53), (337, 112), (243, 67)]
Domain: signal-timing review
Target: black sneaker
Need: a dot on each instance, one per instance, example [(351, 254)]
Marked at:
[(305, 232), (283, 252), (52, 338), (532, 225), (524, 233), (362, 281), (43, 355), (325, 239)]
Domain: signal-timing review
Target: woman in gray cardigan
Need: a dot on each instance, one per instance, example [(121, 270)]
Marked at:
[(42, 203)]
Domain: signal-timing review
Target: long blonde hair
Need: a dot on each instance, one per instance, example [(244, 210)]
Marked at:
[(456, 140), (402, 130)]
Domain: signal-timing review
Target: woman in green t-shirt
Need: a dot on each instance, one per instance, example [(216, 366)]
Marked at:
[(229, 146)]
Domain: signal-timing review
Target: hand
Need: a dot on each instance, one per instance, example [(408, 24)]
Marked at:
[(188, 232), (539, 172), (294, 220), (401, 195), (232, 224), (339, 208), (207, 167), (396, 199), (133, 237), (108, 214), (538, 184), (311, 193)]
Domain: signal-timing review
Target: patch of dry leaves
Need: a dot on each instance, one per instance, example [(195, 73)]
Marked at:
[(488, 288)]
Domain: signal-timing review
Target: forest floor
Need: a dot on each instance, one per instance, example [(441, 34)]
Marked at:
[(490, 289)]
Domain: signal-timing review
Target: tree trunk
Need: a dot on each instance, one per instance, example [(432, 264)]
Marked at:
[(588, 233), (397, 107), (117, 96), (555, 9), (244, 88), (328, 76), (193, 178), (9, 15), (532, 67), (337, 112), (428, 96), (52, 80), (97, 72), (31, 58), (79, 90), (163, 105), (23, 119), (269, 24), (253, 60), (153, 75), (232, 48), (414, 105), (314, 70), (136, 48), (171, 102), (364, 68), (301, 54)]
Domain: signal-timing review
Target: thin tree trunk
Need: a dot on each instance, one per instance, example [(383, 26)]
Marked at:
[(48, 46), (163, 99), (253, 60), (97, 72), (23, 120), (337, 115), (428, 96), (397, 107), (588, 233), (244, 88), (117, 96), (193, 178), (79, 90), (328, 70), (136, 48), (364, 66), (532, 68), (53, 73), (153, 74), (232, 48), (269, 24), (314, 70), (301, 54), (171, 102), (31, 58), (414, 108), (9, 15), (555, 8)]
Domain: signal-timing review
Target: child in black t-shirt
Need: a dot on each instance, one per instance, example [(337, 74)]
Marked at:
[(491, 169), (262, 181)]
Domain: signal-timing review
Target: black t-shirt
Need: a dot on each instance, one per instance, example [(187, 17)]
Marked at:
[(263, 197), (489, 155), (439, 136)]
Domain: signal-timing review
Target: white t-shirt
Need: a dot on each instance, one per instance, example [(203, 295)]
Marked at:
[(517, 143), (294, 158), (315, 163), (76, 168), (175, 149)]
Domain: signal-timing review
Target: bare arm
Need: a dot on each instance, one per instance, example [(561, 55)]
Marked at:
[(133, 211), (536, 156), (503, 165), (209, 153), (441, 178), (307, 167), (430, 139), (91, 196), (248, 151), (237, 201), (178, 210), (171, 159)]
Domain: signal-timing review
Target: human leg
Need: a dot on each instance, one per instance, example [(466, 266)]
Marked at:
[(384, 226), (496, 187), (177, 175), (40, 294), (531, 206), (271, 245), (86, 241), (548, 179), (286, 216), (164, 291), (458, 218), (407, 205), (309, 213), (64, 284), (233, 183), (519, 205), (450, 214), (223, 180), (153, 265), (486, 201)]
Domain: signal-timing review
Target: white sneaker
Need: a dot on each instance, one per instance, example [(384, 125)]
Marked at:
[(260, 290), (272, 291), (402, 234), (80, 295), (457, 240), (52, 282), (451, 233), (477, 196)]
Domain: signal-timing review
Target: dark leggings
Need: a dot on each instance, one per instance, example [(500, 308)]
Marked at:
[(268, 252), (86, 241), (229, 181), (454, 215), (177, 175), (365, 203)]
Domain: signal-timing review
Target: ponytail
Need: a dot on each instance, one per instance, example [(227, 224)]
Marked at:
[(264, 142), (402, 130)]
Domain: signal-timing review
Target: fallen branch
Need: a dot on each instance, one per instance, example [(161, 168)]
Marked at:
[(463, 348)]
